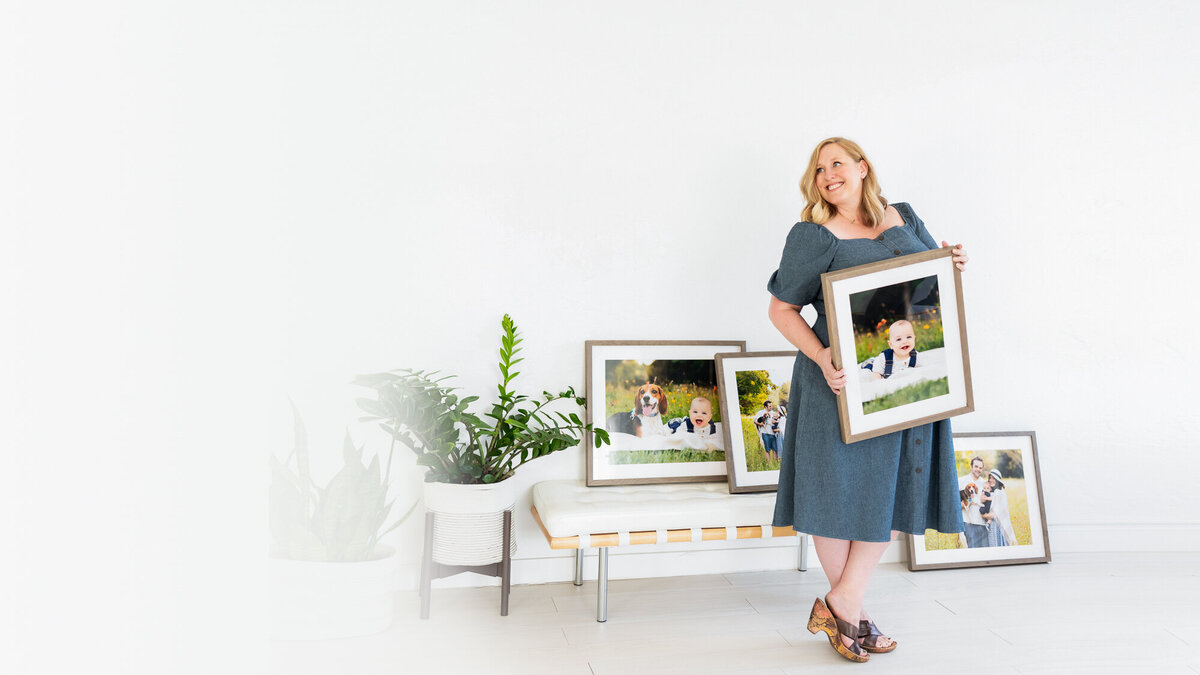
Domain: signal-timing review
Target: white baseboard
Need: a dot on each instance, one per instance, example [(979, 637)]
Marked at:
[(1096, 538), (753, 555)]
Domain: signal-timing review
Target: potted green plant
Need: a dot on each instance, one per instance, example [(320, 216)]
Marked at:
[(330, 575), (471, 458)]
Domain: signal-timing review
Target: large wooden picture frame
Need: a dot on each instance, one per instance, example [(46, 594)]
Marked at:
[(898, 328), (754, 389), (659, 402), (1005, 496)]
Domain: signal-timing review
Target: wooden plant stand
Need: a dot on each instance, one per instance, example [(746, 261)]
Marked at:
[(431, 569)]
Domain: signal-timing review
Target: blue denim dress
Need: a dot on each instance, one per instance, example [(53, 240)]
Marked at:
[(861, 491)]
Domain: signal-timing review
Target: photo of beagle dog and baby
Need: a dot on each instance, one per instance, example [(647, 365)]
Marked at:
[(647, 425)]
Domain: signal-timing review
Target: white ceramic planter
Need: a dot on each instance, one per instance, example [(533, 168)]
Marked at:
[(468, 523), (326, 600)]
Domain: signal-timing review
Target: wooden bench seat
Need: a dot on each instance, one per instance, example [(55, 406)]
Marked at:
[(574, 516)]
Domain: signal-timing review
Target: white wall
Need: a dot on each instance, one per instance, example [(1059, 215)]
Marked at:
[(211, 208), (546, 161)]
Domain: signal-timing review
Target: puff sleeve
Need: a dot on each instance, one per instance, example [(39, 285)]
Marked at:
[(806, 255), (918, 225)]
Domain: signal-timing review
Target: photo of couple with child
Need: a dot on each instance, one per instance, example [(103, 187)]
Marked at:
[(984, 498), (994, 497), (770, 423)]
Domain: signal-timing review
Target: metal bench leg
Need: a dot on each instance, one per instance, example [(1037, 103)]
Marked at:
[(602, 586), (579, 567), (803, 563)]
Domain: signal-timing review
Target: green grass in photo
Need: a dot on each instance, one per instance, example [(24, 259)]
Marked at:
[(756, 457), (910, 394), (1018, 510), (665, 456), (938, 541)]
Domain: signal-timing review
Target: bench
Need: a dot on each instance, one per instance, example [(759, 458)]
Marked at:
[(574, 516)]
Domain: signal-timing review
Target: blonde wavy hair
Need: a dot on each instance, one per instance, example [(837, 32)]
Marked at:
[(819, 211)]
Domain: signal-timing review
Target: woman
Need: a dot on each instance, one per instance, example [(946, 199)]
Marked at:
[(999, 524), (851, 498)]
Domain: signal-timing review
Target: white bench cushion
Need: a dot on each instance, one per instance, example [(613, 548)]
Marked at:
[(569, 508)]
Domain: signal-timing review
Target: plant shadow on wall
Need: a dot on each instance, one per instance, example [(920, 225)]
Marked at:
[(342, 522), (330, 575)]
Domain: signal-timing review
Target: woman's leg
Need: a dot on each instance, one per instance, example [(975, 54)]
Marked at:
[(833, 563), (832, 553), (848, 565)]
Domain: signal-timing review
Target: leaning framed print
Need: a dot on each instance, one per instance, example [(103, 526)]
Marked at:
[(897, 327), (659, 403), (754, 387), (1000, 493)]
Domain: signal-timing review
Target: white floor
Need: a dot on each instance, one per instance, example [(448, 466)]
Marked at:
[(1082, 613)]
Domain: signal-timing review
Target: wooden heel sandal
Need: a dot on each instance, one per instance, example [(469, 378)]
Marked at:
[(822, 619), (870, 634)]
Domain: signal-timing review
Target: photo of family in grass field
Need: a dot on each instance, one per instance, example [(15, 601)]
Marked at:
[(754, 390), (1000, 494), (762, 413), (899, 344), (663, 411), (995, 505)]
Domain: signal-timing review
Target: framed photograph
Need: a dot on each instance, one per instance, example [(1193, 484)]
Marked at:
[(897, 327), (659, 403), (754, 388), (1000, 491)]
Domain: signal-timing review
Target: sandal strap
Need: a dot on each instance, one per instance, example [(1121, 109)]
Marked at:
[(848, 629), (869, 633)]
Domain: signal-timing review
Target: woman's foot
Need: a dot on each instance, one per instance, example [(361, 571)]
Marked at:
[(842, 610)]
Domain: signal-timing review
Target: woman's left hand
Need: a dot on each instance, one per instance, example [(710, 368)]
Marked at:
[(960, 256)]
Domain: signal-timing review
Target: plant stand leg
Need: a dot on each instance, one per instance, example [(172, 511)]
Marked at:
[(427, 565), (506, 564), (602, 586), (803, 562), (579, 567)]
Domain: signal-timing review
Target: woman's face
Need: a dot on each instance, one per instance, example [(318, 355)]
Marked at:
[(991, 482), (839, 178)]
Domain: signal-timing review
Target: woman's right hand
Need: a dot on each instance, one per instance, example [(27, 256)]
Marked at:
[(836, 379)]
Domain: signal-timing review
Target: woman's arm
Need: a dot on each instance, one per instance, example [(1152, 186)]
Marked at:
[(788, 321)]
